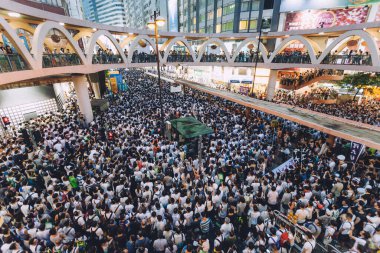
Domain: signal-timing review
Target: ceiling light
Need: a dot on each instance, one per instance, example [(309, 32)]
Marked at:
[(61, 23), (364, 29), (14, 14), (321, 33), (130, 33), (94, 29)]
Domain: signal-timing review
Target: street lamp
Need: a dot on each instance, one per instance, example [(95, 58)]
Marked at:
[(154, 23)]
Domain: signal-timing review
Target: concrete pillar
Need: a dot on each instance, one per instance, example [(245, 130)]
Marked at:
[(80, 86), (331, 140), (96, 89), (271, 84)]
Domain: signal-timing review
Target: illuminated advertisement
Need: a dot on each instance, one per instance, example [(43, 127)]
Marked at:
[(299, 5), (173, 15), (377, 18), (313, 19)]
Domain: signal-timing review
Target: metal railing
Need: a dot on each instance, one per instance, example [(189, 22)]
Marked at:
[(60, 60), (179, 58), (348, 59), (249, 58), (106, 59), (213, 58), (12, 62), (143, 58), (299, 233), (292, 58)]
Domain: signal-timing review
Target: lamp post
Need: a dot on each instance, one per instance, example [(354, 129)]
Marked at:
[(154, 23)]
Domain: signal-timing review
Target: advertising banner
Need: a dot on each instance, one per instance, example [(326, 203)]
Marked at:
[(313, 19), (298, 5), (377, 18)]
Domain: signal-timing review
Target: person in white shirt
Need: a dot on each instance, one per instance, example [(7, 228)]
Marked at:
[(227, 227), (301, 215), (309, 244), (272, 197)]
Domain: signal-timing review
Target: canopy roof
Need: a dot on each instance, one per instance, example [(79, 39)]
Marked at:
[(190, 127)]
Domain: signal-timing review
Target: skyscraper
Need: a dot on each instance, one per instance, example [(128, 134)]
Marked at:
[(216, 16), (110, 12)]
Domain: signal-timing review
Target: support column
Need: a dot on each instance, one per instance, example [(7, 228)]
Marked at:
[(96, 89), (331, 140), (80, 86), (271, 84)]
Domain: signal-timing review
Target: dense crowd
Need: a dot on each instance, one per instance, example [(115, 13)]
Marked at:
[(295, 80), (366, 111), (119, 186)]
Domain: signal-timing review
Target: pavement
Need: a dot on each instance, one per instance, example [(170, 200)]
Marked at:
[(346, 129)]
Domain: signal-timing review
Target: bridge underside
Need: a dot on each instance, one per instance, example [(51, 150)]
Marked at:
[(346, 129)]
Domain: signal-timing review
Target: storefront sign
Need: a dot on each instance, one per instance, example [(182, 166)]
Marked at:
[(299, 5), (313, 19)]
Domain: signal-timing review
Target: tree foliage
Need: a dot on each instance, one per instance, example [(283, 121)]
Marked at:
[(360, 80)]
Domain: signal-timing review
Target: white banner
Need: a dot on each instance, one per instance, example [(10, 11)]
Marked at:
[(284, 166), (175, 88)]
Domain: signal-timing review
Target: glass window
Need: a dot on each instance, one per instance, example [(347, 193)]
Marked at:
[(226, 27), (210, 15), (245, 6), (268, 4), (194, 20), (253, 25), (255, 5), (243, 25), (219, 12), (218, 28), (228, 9), (202, 30), (201, 18)]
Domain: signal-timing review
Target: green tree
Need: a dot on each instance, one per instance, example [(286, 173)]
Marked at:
[(360, 80)]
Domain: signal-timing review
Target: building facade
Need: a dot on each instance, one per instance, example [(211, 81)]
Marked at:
[(109, 12), (219, 16)]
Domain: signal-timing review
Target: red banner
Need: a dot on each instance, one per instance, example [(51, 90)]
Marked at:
[(312, 19)]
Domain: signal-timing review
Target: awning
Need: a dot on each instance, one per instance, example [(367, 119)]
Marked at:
[(190, 127)]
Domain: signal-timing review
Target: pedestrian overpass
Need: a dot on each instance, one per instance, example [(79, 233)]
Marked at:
[(79, 56)]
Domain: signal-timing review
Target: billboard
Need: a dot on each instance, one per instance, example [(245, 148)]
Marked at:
[(298, 5), (173, 15), (313, 19)]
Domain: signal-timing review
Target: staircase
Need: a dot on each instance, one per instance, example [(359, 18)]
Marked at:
[(312, 81)]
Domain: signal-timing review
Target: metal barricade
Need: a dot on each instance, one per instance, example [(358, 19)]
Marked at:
[(299, 234)]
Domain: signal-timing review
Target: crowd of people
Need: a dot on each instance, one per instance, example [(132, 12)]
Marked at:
[(118, 185), (366, 111), (296, 79)]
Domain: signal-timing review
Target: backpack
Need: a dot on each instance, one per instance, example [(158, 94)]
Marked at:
[(93, 238), (284, 239), (276, 243)]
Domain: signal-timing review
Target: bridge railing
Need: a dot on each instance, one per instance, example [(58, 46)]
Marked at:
[(214, 58), (60, 60), (12, 62), (249, 58), (284, 58), (348, 59), (144, 58), (179, 58), (106, 59)]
